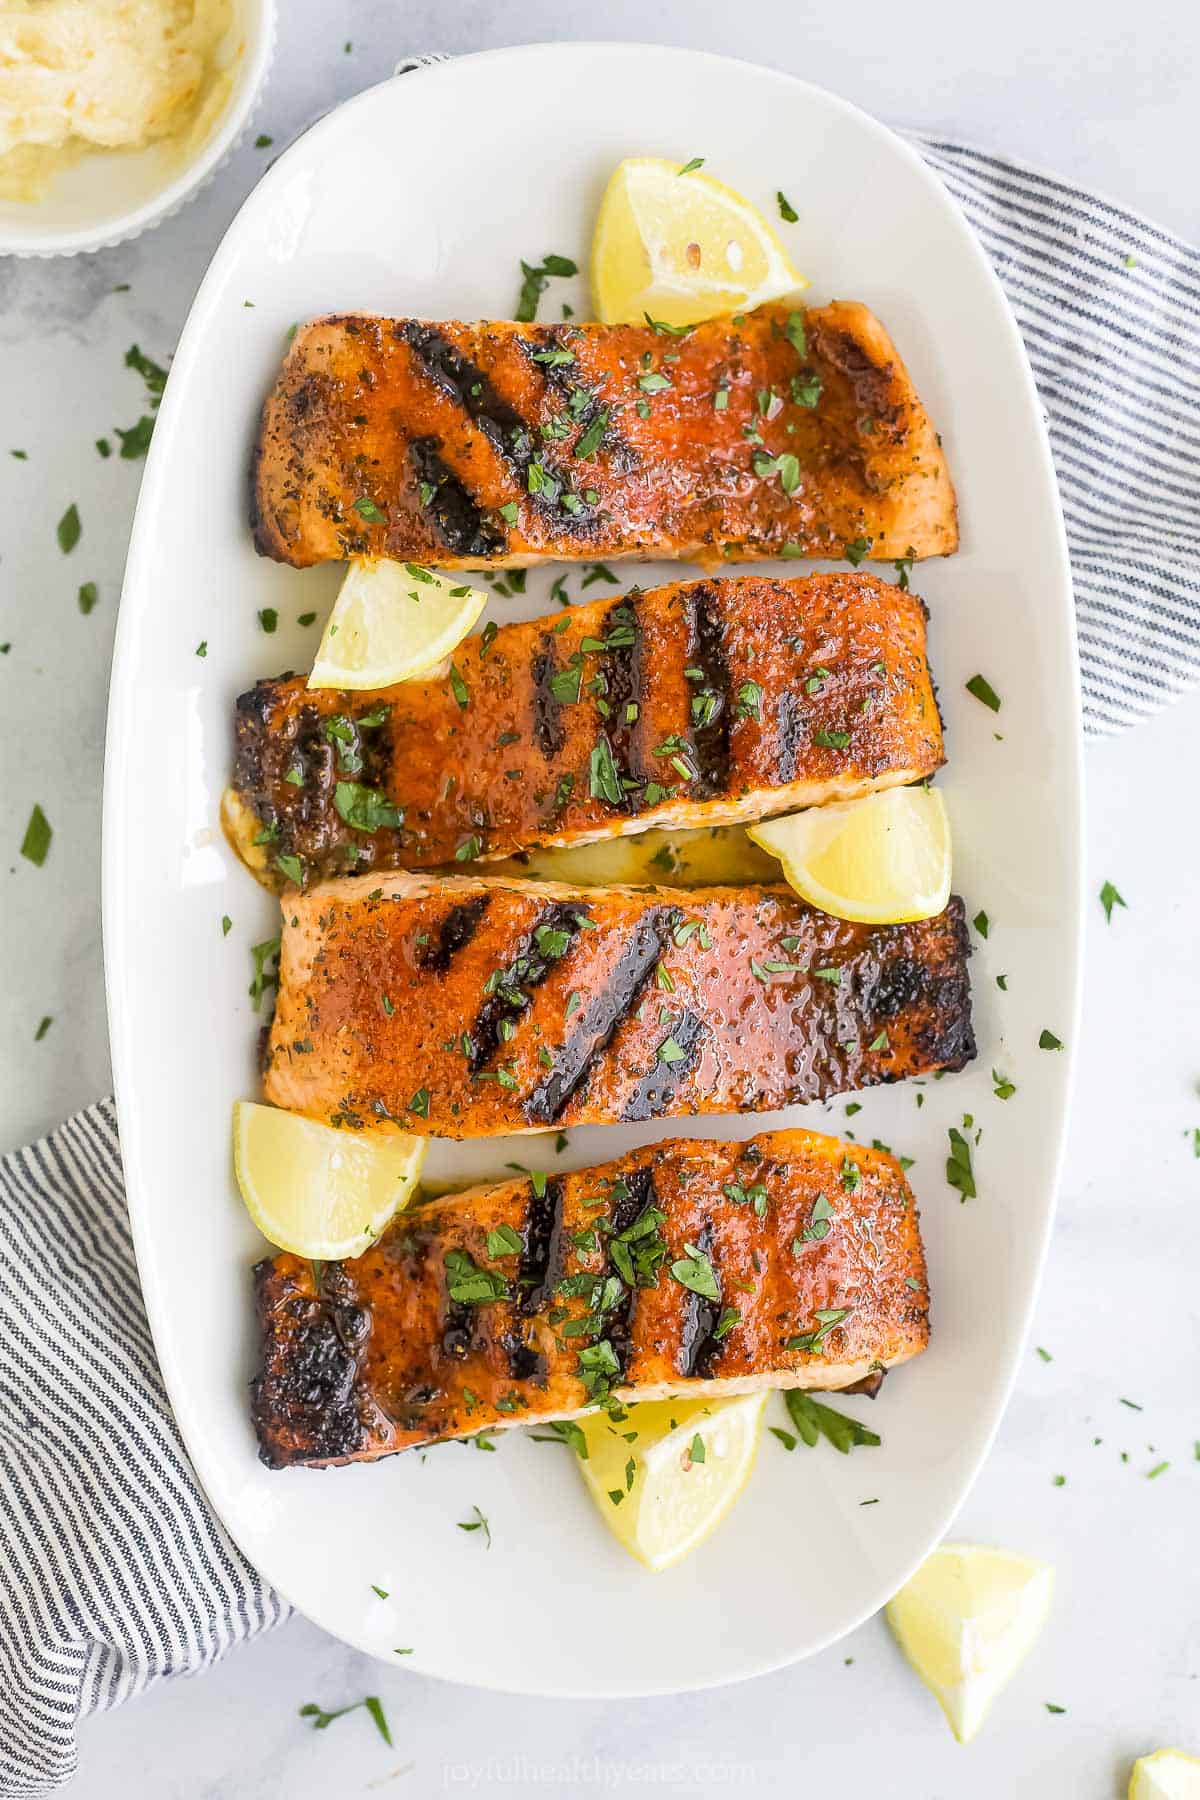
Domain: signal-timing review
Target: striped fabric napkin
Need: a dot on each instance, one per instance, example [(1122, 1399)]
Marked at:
[(113, 1570)]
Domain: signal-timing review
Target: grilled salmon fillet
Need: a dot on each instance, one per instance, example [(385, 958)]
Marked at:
[(537, 1299), (700, 703), (781, 432), (470, 1008)]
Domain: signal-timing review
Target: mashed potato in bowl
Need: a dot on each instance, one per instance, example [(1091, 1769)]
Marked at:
[(77, 75)]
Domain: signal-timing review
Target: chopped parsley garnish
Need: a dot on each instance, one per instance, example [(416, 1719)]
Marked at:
[(1048, 1041), (320, 1718), (469, 849), (689, 167), (603, 780), (694, 1271), (419, 1103), (89, 594), (69, 530), (42, 1029), (787, 211), (1003, 1088), (1109, 898), (226, 925), (589, 440), (535, 278), (292, 867), (366, 509), (832, 740), (817, 1228), (459, 688), (509, 512), (365, 808), (468, 1284), (264, 142), (857, 549), (785, 465), (268, 618), (563, 1431), (795, 333), (981, 923), (565, 684), (36, 841), (264, 977), (983, 690), (814, 1420), (749, 700), (828, 1319), (959, 1170), (665, 330)]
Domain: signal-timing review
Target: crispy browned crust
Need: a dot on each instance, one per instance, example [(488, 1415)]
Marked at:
[(458, 444), (472, 1007), (368, 1357), (748, 697)]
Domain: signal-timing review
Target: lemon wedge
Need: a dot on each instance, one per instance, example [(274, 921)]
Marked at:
[(315, 1191), (665, 1476), (391, 622), (1167, 1775), (878, 860), (966, 1621), (682, 247)]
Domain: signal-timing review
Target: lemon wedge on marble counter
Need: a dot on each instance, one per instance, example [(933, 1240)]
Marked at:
[(1167, 1775), (966, 1621)]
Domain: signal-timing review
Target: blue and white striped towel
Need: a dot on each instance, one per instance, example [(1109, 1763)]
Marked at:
[(113, 1570)]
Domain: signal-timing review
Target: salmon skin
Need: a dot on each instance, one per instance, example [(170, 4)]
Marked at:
[(701, 703), (470, 1008), (542, 1297), (781, 432)]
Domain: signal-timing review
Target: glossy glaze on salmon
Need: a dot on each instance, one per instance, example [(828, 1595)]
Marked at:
[(536, 1299), (782, 432), (470, 1008), (700, 703)]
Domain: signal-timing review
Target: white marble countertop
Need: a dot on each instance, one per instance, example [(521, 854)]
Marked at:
[(1099, 92)]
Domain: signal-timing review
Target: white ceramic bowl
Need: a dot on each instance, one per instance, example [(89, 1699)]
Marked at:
[(108, 196)]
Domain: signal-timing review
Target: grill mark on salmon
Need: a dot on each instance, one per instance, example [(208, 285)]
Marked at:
[(632, 1196), (792, 738), (511, 435), (541, 1258), (514, 985), (459, 525), (547, 709), (698, 1349), (790, 733), (454, 934), (769, 1002), (709, 734), (370, 1357), (606, 1012), (623, 690), (539, 429), (656, 1088)]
